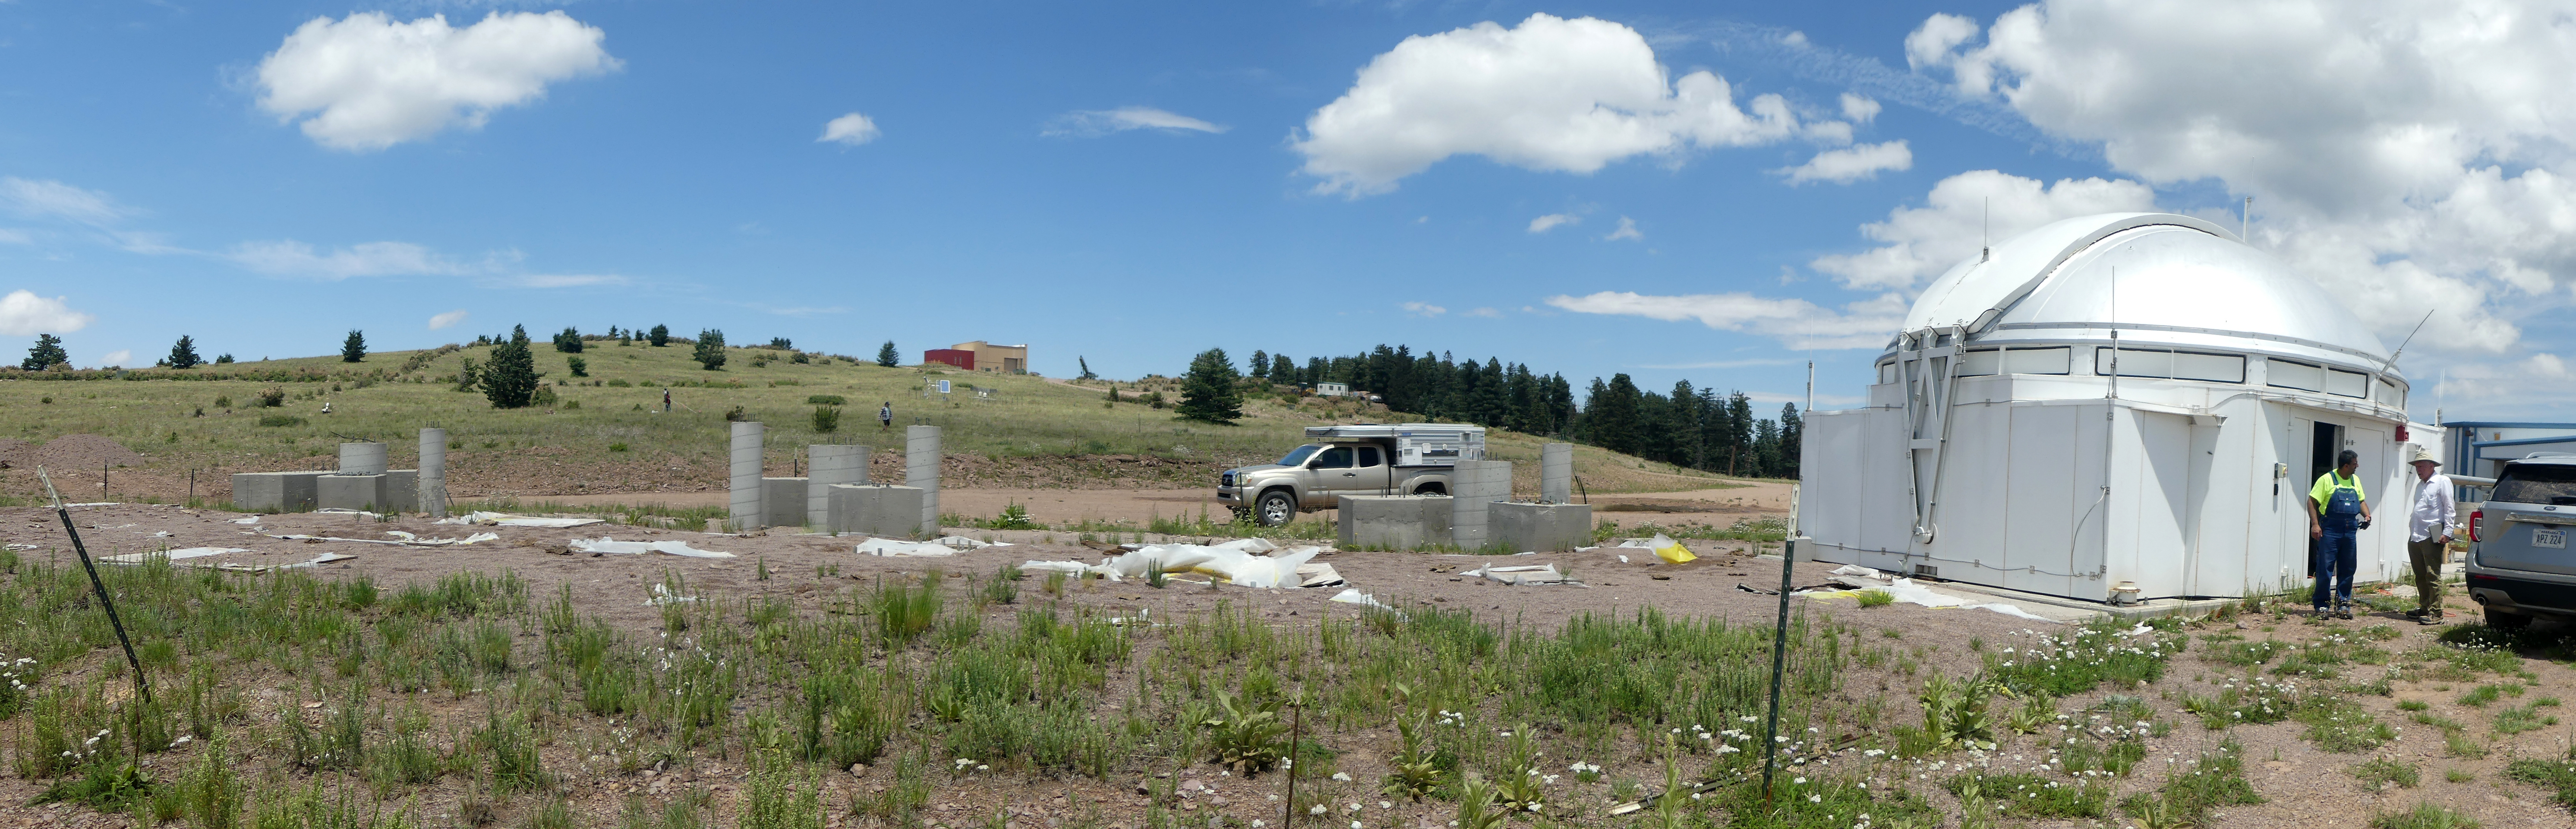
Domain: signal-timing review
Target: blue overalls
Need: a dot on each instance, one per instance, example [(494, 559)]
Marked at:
[(2339, 547)]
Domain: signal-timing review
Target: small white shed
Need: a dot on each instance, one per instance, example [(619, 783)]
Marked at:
[(2000, 446)]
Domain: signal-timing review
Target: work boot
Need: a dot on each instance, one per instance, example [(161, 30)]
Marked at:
[(2343, 611), (2320, 613), (2428, 617), (2417, 613)]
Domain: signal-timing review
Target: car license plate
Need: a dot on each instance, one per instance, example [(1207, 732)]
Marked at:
[(2553, 539)]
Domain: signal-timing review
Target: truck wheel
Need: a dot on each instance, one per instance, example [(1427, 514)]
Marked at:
[(2508, 621), (1276, 507), (1431, 489)]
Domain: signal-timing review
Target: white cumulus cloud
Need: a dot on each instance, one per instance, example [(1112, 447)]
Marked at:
[(1859, 108), (24, 314), (853, 129), (1796, 323), (370, 82), (116, 358), (447, 320), (1854, 163), (1089, 123), (2414, 155), (1552, 94), (1423, 309), (1550, 222), (1917, 243), (1627, 230)]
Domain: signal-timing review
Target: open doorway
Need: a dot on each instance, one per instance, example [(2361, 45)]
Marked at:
[(2327, 441)]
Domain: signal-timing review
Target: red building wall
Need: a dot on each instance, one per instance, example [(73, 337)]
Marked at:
[(951, 356)]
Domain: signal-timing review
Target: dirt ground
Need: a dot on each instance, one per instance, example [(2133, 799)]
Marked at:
[(2303, 785)]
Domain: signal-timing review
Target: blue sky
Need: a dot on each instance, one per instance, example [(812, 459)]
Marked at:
[(1134, 184)]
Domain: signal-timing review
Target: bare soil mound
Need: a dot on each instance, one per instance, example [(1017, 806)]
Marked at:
[(69, 452)]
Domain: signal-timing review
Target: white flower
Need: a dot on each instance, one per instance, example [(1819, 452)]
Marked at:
[(1317, 809), (1343, 776), (1799, 781)]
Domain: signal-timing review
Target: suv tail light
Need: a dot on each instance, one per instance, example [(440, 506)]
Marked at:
[(2477, 524)]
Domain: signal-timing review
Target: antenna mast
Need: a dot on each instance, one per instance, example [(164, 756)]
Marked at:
[(2410, 337), (2245, 222), (1985, 232)]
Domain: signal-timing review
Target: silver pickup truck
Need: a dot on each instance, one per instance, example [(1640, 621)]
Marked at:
[(1367, 459), (2519, 564)]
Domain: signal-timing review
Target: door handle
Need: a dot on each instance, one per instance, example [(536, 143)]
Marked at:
[(1350, 474)]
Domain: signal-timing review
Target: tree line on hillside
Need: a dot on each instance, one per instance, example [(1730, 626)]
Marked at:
[(1694, 427)]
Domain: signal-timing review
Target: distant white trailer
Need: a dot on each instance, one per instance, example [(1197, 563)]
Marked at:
[(2113, 408)]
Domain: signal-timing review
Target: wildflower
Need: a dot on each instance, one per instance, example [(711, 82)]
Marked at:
[(1343, 776), (1317, 809)]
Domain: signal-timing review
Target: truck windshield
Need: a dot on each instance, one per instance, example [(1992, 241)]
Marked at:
[(1298, 456), (2536, 483)]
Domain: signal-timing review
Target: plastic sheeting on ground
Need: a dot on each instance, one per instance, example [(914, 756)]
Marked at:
[(1231, 562), (1905, 590), (1354, 596), (173, 555), (251, 520), (1524, 574), (605, 544), (401, 539), (1664, 548), (943, 546), (503, 519)]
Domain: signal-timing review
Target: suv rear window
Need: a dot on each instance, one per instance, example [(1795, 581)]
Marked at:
[(2537, 483)]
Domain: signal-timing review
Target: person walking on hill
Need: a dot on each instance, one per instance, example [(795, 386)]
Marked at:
[(885, 416), (666, 400), (2337, 514), (2428, 535)]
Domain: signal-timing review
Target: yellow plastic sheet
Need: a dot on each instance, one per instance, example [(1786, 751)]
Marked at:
[(1672, 552)]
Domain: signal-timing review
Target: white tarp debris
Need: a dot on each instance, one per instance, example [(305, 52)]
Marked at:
[(173, 555), (400, 539), (943, 546), (662, 595), (18, 546), (316, 561), (1905, 590), (1068, 567), (251, 520), (1228, 562), (96, 504), (346, 511), (1318, 574), (1526, 574), (1354, 596), (605, 544), (503, 519)]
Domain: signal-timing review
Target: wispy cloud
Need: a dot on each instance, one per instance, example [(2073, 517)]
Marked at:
[(1487, 313), (558, 280), (1551, 221), (1627, 231), (1423, 309), (1852, 164), (1092, 123), (1730, 364), (54, 199), (118, 357), (797, 310), (1796, 323), (288, 257), (447, 320)]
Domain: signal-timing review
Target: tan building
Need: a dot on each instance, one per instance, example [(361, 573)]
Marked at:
[(999, 359)]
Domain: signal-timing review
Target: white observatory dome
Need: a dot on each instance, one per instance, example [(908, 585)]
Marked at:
[(2160, 279)]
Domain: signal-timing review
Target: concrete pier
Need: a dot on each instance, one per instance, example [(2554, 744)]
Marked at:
[(1476, 485), (782, 502), (828, 466), (921, 471), (1556, 473), (362, 459), (432, 483), (746, 514)]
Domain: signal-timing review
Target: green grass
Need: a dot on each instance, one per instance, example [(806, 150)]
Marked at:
[(2385, 771), (2425, 815), (2033, 796), (2340, 725), (2212, 780)]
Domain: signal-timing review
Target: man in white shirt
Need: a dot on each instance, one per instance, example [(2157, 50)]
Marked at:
[(2428, 535)]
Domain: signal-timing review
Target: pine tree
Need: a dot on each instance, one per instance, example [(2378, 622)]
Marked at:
[(184, 355), (660, 337), (355, 347), (887, 356), (568, 342), (1283, 370), (710, 351), (1260, 364), (48, 353), (1792, 432), (510, 379), (1209, 391)]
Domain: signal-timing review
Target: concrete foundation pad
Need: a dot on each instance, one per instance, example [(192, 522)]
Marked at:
[(782, 502), (363, 492), (274, 491), (875, 509), (1540, 527), (402, 491), (1395, 522)]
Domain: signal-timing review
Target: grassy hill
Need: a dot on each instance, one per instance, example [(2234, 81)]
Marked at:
[(605, 432)]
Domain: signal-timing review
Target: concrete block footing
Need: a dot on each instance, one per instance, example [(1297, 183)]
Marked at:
[(362, 459), (1540, 527), (1395, 522), (827, 466), (874, 509), (394, 490), (782, 502), (275, 491)]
